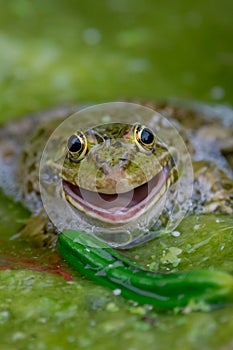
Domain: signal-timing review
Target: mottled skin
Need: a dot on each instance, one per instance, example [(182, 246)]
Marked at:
[(116, 157), (213, 186), (114, 178), (113, 155)]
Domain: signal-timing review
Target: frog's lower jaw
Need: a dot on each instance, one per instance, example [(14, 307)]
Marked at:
[(118, 208)]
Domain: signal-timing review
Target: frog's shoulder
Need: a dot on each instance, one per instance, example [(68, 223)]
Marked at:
[(16, 140)]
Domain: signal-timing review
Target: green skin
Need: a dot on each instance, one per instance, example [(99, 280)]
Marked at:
[(115, 163), (213, 189), (118, 155)]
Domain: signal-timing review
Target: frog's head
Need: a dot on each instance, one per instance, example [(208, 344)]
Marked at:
[(115, 172)]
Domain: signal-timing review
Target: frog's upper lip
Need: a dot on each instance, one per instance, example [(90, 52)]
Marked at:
[(116, 208)]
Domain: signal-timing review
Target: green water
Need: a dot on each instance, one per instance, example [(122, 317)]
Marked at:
[(59, 52)]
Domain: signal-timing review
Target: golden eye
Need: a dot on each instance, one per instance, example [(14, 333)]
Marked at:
[(77, 146), (144, 138)]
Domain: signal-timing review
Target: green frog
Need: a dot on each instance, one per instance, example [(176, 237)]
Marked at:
[(114, 173), (109, 158)]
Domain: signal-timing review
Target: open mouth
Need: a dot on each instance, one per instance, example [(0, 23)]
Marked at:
[(117, 208)]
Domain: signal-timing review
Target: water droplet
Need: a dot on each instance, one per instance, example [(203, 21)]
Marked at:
[(117, 291), (175, 233)]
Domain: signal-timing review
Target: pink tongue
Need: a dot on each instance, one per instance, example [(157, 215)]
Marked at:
[(111, 201), (124, 200), (117, 207), (116, 201)]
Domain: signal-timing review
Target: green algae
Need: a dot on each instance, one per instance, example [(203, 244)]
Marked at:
[(12, 215), (204, 241), (55, 52), (42, 311)]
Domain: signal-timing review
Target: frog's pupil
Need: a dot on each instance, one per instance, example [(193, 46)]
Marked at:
[(74, 144), (147, 136)]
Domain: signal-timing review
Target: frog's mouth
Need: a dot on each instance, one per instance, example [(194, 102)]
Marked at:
[(120, 207)]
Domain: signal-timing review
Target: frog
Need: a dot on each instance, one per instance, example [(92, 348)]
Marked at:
[(213, 184), (110, 158), (114, 173)]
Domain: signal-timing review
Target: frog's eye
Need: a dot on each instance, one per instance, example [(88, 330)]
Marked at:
[(77, 146), (144, 138)]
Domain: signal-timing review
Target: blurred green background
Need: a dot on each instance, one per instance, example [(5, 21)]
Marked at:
[(58, 51)]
